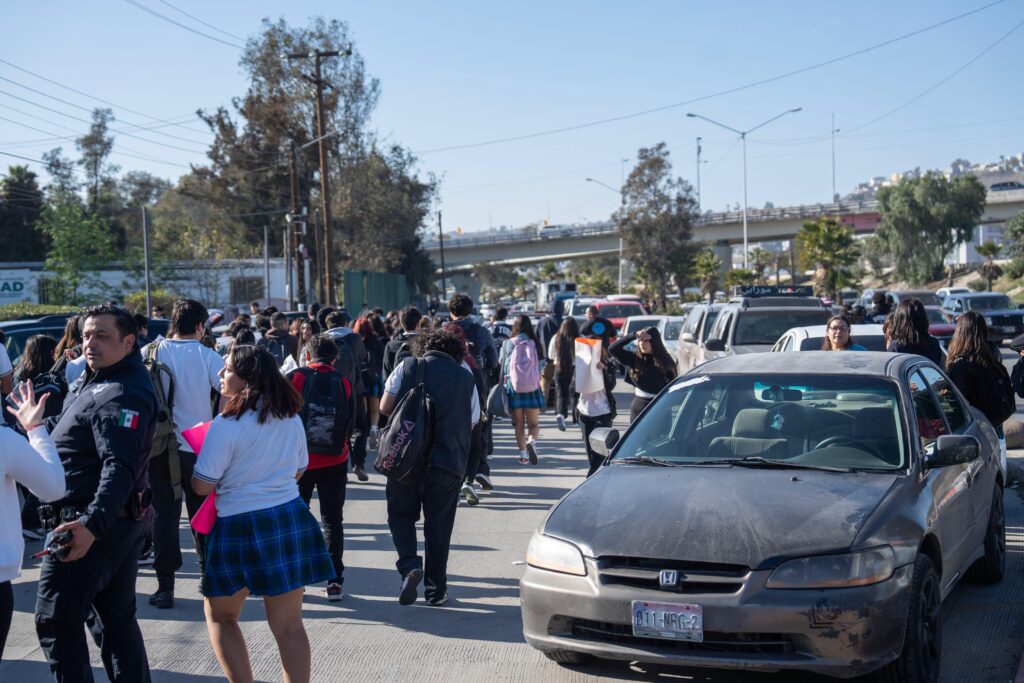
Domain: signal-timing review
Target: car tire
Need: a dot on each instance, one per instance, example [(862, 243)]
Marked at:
[(568, 657), (918, 662), (990, 567)]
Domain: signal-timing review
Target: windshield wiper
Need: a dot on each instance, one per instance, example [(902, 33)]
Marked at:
[(645, 460), (760, 461)]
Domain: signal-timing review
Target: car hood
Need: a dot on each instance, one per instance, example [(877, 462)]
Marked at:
[(732, 515)]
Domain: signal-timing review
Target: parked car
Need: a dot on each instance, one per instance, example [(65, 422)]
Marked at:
[(925, 296), (775, 511), (18, 332), (618, 311), (943, 292), (668, 326), (938, 326), (1003, 187), (635, 323), (753, 324), (1005, 321), (670, 332), (811, 337), (699, 321)]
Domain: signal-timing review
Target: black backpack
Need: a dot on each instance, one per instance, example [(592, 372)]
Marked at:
[(275, 347), (1004, 394), (328, 411), (408, 436)]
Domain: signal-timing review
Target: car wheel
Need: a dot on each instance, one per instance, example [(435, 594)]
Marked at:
[(568, 657), (990, 567), (922, 644)]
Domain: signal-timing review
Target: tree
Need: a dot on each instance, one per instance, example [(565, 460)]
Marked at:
[(759, 260), (500, 280), (656, 220), (707, 269), (80, 244), (989, 269), (21, 203), (596, 276), (95, 146), (830, 249), (1014, 234), (738, 277), (924, 217), (876, 253)]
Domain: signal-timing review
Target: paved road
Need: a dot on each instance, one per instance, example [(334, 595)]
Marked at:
[(477, 636)]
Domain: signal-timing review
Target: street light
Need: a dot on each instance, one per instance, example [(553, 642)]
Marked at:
[(743, 138), (622, 198)]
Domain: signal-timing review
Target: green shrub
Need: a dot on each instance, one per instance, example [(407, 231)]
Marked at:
[(1015, 268), (136, 301), (29, 311), (978, 284)]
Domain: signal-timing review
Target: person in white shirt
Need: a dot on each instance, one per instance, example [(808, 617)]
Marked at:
[(35, 464), (595, 409), (6, 372), (265, 541), (195, 369)]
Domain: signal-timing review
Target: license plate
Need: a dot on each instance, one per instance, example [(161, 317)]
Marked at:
[(670, 621)]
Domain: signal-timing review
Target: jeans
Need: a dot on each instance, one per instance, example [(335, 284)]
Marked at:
[(98, 591), (436, 493), (587, 425), (167, 513), (6, 613), (330, 483), (563, 393)]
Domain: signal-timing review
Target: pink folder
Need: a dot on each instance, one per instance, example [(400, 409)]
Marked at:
[(206, 515)]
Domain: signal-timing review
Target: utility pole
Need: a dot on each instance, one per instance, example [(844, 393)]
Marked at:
[(319, 262), (289, 290), (145, 256), (440, 237), (698, 174), (266, 262), (834, 131), (300, 263), (316, 79)]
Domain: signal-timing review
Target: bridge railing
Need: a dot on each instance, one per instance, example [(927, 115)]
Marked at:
[(538, 234)]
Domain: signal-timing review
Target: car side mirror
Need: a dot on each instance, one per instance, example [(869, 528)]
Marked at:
[(714, 344), (603, 440), (953, 449), (688, 337)]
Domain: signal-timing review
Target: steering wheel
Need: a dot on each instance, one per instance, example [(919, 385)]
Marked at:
[(841, 439)]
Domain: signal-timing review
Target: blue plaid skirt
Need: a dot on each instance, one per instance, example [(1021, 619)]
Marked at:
[(530, 399), (269, 551)]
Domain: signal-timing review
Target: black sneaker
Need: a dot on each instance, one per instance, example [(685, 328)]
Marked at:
[(437, 600), (485, 482), (162, 599), (560, 422), (361, 474), (334, 592), (410, 584)]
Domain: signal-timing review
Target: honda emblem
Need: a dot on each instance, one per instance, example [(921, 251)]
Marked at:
[(668, 578)]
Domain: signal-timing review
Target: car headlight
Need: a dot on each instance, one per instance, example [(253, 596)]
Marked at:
[(835, 571), (988, 321), (555, 555)]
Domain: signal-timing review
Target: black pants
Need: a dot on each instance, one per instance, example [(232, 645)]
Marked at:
[(589, 424), (637, 407), (330, 483), (436, 493), (563, 393), (360, 432), (167, 513), (6, 613), (477, 457), (99, 591)]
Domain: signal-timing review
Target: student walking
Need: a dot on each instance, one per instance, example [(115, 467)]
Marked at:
[(649, 368), (562, 352), (908, 331), (265, 542), (597, 409), (521, 368), (433, 489)]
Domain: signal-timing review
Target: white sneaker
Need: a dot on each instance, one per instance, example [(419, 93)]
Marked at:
[(531, 450), (334, 592), (470, 494)]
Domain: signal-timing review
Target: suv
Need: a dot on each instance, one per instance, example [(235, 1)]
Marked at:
[(748, 324), (693, 335), (1005, 321)]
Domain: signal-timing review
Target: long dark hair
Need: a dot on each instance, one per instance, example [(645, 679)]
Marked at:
[(523, 325), (659, 357), (905, 324), (565, 342), (970, 342), (38, 356), (72, 335), (266, 389), (826, 343)]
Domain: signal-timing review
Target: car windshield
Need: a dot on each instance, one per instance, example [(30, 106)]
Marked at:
[(988, 303), (637, 325), (620, 310), (926, 298), (672, 330), (817, 421), (871, 342), (765, 327)]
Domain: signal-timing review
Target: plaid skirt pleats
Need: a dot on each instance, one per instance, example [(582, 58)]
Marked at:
[(528, 399), (270, 552)]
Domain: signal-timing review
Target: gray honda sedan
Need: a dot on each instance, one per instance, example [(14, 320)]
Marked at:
[(775, 511)]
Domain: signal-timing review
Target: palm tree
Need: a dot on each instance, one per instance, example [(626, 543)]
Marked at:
[(759, 260), (707, 269), (830, 249), (989, 269)]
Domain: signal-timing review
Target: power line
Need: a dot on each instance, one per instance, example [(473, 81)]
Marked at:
[(720, 93), (197, 19), (180, 25)]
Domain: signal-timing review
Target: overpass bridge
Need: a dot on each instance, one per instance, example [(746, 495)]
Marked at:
[(529, 245)]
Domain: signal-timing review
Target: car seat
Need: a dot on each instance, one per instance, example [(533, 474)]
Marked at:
[(752, 434)]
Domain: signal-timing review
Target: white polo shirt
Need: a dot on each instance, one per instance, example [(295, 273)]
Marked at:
[(196, 369)]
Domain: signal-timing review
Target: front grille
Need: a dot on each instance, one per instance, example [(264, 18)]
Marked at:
[(1015, 321), (766, 645), (694, 578)]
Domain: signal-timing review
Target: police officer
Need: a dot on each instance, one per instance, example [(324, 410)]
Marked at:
[(103, 437)]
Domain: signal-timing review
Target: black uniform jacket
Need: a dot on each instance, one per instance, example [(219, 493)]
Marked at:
[(104, 436)]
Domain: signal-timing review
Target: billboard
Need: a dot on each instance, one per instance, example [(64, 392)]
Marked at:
[(17, 285)]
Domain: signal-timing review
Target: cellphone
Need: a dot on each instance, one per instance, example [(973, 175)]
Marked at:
[(56, 544)]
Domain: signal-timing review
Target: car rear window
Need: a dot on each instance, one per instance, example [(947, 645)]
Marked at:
[(988, 303), (673, 329), (620, 310), (765, 327), (838, 421), (637, 325)]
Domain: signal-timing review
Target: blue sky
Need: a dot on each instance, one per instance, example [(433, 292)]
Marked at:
[(456, 73)]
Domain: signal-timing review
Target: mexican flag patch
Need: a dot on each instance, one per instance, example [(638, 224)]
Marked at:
[(128, 418)]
